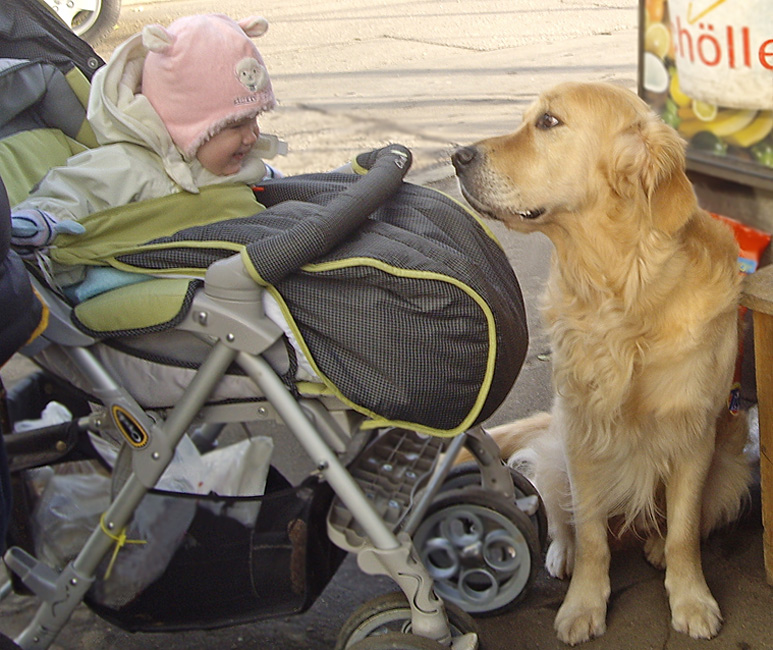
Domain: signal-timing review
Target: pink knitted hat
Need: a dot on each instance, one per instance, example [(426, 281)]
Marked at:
[(203, 73)]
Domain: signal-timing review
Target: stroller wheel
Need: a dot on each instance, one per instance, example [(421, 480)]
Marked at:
[(389, 615), (397, 641), (468, 474), (481, 550)]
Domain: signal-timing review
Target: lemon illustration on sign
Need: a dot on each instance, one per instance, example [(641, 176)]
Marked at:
[(657, 39), (704, 111), (680, 99), (726, 122), (758, 130)]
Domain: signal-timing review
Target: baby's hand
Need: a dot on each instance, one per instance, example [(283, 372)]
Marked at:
[(272, 172), (33, 228)]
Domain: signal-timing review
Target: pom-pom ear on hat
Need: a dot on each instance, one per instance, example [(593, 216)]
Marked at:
[(254, 26), (156, 38), (203, 73)]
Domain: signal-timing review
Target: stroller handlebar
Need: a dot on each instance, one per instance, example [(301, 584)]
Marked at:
[(393, 153), (327, 226)]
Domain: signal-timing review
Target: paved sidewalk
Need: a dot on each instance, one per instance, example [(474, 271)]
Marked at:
[(351, 75), (354, 75)]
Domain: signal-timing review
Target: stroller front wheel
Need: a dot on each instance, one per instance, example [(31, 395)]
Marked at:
[(397, 641), (387, 619)]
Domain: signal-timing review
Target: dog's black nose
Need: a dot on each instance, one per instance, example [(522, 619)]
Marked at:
[(463, 157)]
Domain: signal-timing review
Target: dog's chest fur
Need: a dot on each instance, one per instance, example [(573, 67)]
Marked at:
[(644, 364)]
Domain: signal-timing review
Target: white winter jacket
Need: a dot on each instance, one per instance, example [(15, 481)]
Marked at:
[(137, 159)]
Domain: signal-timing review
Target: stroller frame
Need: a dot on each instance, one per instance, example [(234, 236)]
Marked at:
[(229, 310)]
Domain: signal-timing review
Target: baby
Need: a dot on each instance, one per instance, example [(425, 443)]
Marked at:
[(174, 110)]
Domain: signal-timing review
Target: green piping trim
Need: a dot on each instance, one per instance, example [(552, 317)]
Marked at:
[(357, 168), (312, 388), (481, 221), (377, 420), (196, 271), (178, 271), (251, 270)]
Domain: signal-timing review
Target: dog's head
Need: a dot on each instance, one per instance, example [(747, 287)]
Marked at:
[(584, 151)]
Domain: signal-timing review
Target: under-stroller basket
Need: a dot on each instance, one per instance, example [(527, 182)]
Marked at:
[(224, 573)]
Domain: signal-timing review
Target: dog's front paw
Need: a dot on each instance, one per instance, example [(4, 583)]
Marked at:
[(579, 623), (655, 551), (698, 617), (559, 559)]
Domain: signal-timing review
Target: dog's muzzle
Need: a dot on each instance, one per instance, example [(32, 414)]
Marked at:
[(464, 158)]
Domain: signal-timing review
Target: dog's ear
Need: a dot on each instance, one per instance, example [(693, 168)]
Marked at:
[(649, 158)]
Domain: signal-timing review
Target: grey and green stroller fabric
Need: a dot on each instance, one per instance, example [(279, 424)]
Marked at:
[(414, 318)]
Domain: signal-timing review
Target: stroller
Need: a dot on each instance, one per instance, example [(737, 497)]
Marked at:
[(378, 321)]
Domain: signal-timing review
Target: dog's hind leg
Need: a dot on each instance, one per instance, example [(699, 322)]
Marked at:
[(655, 550), (552, 481), (559, 558), (730, 474), (693, 609), (582, 615), (548, 471)]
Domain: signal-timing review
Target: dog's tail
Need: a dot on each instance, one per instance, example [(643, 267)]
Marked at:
[(516, 439), (727, 486)]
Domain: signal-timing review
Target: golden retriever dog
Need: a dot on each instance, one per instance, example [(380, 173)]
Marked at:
[(641, 309)]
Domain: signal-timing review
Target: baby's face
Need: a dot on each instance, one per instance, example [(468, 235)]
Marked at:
[(224, 153)]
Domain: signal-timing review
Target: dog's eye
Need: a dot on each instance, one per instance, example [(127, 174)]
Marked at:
[(547, 121)]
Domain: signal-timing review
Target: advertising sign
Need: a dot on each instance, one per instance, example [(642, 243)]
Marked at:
[(706, 66)]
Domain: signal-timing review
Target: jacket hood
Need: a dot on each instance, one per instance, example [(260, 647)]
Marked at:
[(120, 113)]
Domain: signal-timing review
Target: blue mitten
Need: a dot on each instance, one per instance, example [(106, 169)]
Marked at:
[(33, 228)]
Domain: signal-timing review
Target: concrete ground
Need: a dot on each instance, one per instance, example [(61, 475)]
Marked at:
[(432, 75)]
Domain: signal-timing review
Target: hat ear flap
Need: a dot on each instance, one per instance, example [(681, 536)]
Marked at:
[(254, 26), (649, 158), (157, 39)]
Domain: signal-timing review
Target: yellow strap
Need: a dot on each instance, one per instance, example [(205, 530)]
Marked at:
[(119, 539), (44, 314)]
